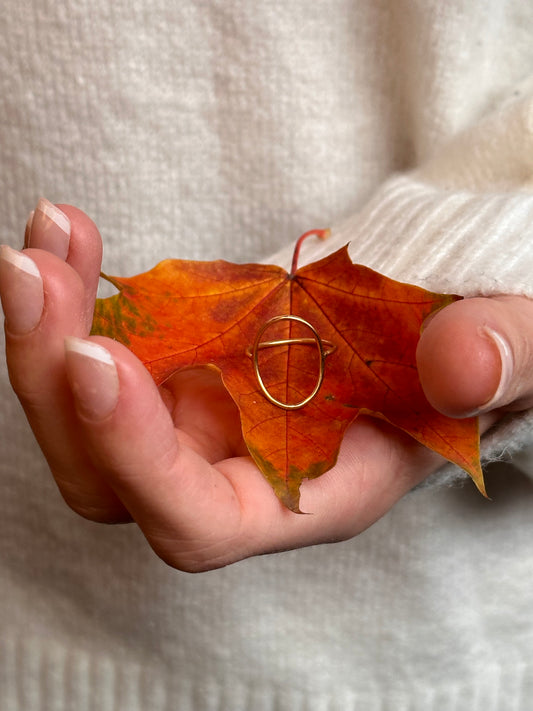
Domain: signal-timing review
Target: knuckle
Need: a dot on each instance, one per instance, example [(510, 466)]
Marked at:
[(190, 557), (31, 375), (93, 506), (99, 513), (29, 394)]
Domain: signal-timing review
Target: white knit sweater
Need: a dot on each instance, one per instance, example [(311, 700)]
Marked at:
[(226, 128)]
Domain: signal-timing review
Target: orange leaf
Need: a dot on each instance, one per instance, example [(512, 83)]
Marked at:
[(354, 342)]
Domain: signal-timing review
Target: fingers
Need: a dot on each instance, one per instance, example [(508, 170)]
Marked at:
[(476, 355), (72, 236), (48, 228), (84, 255), (44, 299)]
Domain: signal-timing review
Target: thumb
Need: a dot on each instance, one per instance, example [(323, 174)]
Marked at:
[(476, 355)]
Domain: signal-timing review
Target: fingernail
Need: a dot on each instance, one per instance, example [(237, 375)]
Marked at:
[(507, 368), (21, 288), (93, 377), (49, 229)]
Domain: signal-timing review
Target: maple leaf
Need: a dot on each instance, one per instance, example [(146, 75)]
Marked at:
[(301, 354)]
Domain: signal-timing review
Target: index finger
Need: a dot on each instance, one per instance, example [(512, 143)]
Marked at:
[(70, 234)]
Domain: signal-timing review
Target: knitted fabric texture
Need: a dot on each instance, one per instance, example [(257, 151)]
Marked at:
[(226, 129)]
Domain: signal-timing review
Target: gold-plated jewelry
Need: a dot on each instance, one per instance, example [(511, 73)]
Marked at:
[(325, 348)]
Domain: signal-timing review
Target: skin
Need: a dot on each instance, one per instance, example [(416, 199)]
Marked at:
[(172, 459)]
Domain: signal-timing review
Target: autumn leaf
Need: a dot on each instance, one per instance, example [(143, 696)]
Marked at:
[(302, 354)]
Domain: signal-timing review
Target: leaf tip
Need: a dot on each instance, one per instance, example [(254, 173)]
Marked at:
[(293, 504), (480, 485), (289, 495), (476, 474)]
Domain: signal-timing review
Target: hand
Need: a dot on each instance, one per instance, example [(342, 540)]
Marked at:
[(172, 459)]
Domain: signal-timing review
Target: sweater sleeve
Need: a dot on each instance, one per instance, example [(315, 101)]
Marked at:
[(460, 223)]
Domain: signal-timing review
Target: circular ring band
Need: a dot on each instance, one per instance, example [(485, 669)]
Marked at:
[(260, 345)]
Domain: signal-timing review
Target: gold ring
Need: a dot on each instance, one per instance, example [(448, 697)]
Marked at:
[(325, 348)]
